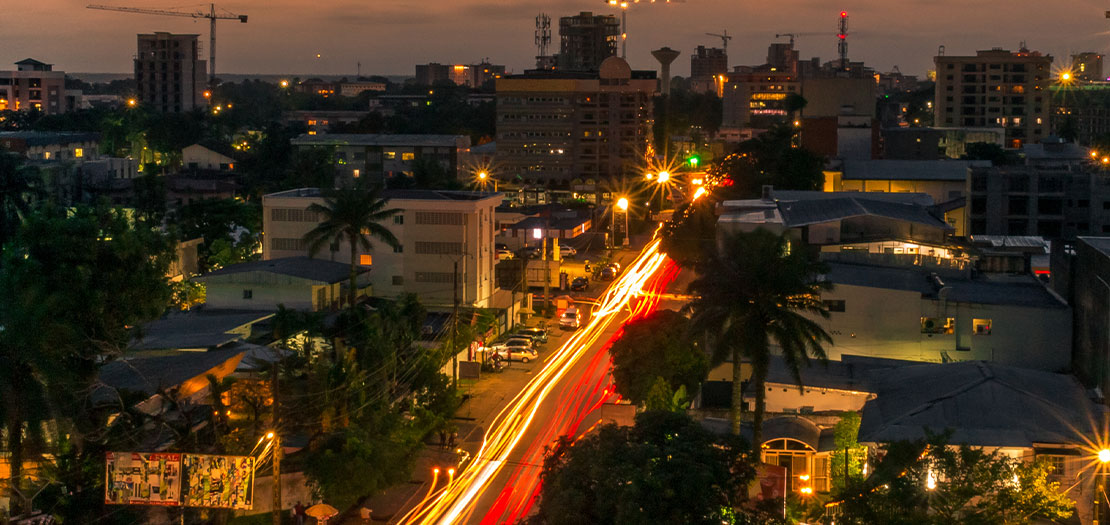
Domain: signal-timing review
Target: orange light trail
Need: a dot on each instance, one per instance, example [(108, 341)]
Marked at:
[(638, 290)]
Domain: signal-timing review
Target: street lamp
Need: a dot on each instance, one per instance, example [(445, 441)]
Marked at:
[(1100, 482), (622, 204)]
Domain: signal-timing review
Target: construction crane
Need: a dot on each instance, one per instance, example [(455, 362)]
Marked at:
[(210, 14), (724, 36)]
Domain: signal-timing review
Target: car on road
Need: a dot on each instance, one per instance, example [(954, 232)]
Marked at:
[(567, 252), (538, 335), (609, 272), (517, 353), (504, 254), (571, 319), (579, 284)]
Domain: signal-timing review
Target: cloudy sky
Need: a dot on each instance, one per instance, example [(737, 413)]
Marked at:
[(389, 36)]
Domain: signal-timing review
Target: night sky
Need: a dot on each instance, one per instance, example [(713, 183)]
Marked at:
[(389, 36)]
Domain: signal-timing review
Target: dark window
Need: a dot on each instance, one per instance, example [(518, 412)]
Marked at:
[(978, 226), (1049, 228), (248, 294), (1050, 206), (1018, 206), (979, 205), (1084, 203), (398, 219), (834, 305), (1017, 227)]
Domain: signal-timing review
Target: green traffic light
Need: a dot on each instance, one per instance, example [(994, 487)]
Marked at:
[(693, 161)]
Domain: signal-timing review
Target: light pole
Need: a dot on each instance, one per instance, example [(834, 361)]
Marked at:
[(622, 204), (484, 179), (1100, 483)]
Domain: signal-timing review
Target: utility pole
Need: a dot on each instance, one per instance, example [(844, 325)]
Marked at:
[(277, 450), (455, 330), (546, 268)]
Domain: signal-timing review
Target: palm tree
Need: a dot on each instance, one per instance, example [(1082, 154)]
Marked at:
[(754, 292), (16, 183), (353, 214)]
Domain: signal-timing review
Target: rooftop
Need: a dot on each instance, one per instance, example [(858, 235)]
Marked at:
[(806, 212), (197, 330), (1102, 244), (368, 139), (1013, 290), (942, 170), (150, 375), (44, 138), (984, 404), (850, 373), (431, 195), (318, 270)]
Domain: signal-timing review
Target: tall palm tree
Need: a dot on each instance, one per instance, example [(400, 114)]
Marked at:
[(16, 184), (351, 214), (753, 292)]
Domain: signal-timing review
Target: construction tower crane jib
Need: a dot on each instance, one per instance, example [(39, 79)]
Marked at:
[(210, 14)]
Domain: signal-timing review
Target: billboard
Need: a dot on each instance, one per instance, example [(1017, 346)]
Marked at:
[(225, 482), (142, 478)]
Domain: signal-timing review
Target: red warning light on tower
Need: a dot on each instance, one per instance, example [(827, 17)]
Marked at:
[(843, 14)]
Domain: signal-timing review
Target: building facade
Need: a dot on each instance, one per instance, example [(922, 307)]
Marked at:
[(570, 131), (586, 40), (381, 157), (708, 65), (996, 88), (437, 229), (1048, 201), (169, 74), (33, 86)]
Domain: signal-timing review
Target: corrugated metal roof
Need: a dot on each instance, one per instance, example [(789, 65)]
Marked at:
[(1015, 290), (149, 375), (885, 169), (806, 212), (984, 404), (381, 139), (195, 330), (1101, 244), (318, 270)]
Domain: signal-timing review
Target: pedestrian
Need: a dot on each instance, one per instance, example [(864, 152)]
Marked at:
[(442, 438), (454, 438), (299, 514), (364, 512)]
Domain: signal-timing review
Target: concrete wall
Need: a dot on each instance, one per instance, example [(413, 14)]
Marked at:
[(887, 323), (268, 290), (203, 158), (784, 397), (1092, 315)]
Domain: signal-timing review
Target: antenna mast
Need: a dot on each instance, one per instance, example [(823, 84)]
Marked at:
[(842, 45)]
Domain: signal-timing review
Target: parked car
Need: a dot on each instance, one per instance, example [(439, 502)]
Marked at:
[(521, 354), (538, 335), (518, 342), (504, 254), (567, 252), (579, 284), (571, 319)]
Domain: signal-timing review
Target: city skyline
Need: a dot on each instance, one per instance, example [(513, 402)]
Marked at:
[(389, 37)]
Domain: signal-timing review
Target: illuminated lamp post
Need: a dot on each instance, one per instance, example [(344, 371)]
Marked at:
[(622, 204), (1100, 483)]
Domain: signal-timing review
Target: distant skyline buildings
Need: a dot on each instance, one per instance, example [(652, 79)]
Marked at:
[(388, 37)]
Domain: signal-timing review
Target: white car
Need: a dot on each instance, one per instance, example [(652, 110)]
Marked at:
[(567, 251), (504, 254), (571, 319), (515, 353)]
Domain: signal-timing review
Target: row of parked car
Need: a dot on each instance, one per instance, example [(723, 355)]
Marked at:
[(504, 253), (521, 346)]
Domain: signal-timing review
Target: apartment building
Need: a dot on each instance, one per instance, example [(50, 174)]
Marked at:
[(34, 86), (707, 65), (437, 230), (996, 88), (570, 131), (169, 74), (586, 40), (381, 156)]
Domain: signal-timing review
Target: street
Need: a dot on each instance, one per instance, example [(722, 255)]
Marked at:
[(501, 481)]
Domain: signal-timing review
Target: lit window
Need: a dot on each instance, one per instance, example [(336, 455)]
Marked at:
[(408, 156), (46, 155), (312, 123), (365, 259), (78, 152), (355, 173), (981, 326), (933, 325), (311, 132), (390, 155)]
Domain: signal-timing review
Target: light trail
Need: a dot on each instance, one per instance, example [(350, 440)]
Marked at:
[(455, 503)]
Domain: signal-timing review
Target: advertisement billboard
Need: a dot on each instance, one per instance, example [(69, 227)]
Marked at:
[(142, 478), (225, 482)]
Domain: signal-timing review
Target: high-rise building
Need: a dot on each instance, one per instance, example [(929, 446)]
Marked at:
[(558, 127), (783, 57), (586, 39), (469, 75), (33, 86), (1087, 67), (707, 62), (169, 73), (996, 88)]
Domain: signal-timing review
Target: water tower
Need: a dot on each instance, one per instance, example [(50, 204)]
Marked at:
[(665, 56)]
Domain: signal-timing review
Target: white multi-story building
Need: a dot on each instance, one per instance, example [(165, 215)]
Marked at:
[(437, 230)]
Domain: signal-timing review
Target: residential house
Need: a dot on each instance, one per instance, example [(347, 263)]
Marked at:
[(298, 283)]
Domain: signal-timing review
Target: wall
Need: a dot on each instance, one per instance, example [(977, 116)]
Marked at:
[(203, 158), (783, 397), (886, 323), (1092, 315), (268, 290)]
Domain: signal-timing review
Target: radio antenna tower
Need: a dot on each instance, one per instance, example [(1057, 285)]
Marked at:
[(842, 45), (543, 38)]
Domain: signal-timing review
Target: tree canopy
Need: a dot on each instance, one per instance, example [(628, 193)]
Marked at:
[(657, 347)]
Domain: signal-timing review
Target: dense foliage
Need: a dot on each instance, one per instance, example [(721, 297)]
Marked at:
[(665, 469), (772, 158), (657, 347)]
